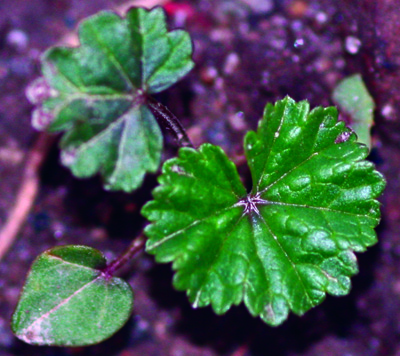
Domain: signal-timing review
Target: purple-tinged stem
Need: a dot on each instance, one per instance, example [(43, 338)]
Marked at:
[(168, 120), (135, 247)]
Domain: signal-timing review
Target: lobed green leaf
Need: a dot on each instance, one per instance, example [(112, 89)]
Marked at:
[(98, 94), (287, 243), (68, 301)]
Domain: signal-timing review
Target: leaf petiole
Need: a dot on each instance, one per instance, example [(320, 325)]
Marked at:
[(167, 119), (135, 247)]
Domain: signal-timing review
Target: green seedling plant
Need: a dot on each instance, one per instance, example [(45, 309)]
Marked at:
[(280, 247)]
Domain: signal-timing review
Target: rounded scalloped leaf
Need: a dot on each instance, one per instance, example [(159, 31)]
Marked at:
[(97, 94), (68, 301), (287, 243)]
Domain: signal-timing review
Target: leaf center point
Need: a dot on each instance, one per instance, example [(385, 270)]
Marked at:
[(250, 204)]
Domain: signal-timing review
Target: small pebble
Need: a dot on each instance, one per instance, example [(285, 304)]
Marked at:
[(221, 35), (279, 44), (321, 17), (352, 44), (298, 8), (58, 230), (237, 121), (208, 75), (297, 25), (295, 59), (298, 43), (98, 234), (232, 62), (195, 134), (17, 39), (265, 77), (219, 83), (322, 65), (340, 63), (387, 111)]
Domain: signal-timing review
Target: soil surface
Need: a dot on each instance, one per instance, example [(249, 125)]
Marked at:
[(247, 53)]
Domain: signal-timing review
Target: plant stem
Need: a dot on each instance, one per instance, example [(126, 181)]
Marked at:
[(168, 120), (135, 246)]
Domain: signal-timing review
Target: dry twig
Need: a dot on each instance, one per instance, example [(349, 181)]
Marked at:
[(27, 192)]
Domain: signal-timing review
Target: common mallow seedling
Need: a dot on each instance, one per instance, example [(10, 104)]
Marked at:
[(289, 241), (278, 248), (100, 94)]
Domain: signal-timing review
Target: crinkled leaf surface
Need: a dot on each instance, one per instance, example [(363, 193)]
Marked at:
[(98, 89), (352, 97), (287, 243), (68, 301)]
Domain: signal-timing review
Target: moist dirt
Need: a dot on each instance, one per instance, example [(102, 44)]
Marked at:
[(247, 53)]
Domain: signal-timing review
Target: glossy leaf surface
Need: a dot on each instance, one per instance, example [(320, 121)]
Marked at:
[(97, 94), (287, 243), (68, 301)]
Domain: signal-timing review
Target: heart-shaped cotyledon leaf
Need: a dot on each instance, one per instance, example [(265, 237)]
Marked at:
[(96, 93), (289, 241), (68, 301)]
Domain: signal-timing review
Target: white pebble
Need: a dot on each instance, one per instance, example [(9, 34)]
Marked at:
[(298, 43), (352, 44), (387, 111), (232, 62), (17, 39), (321, 17)]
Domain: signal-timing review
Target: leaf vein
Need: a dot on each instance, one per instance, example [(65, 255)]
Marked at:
[(192, 224), (288, 172), (70, 263), (294, 266), (319, 208), (276, 135), (170, 55), (113, 58), (39, 320), (212, 264)]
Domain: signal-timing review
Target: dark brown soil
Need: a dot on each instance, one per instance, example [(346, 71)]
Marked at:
[(245, 56)]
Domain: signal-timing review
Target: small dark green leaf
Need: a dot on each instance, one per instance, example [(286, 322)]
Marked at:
[(97, 94), (68, 301), (287, 243)]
